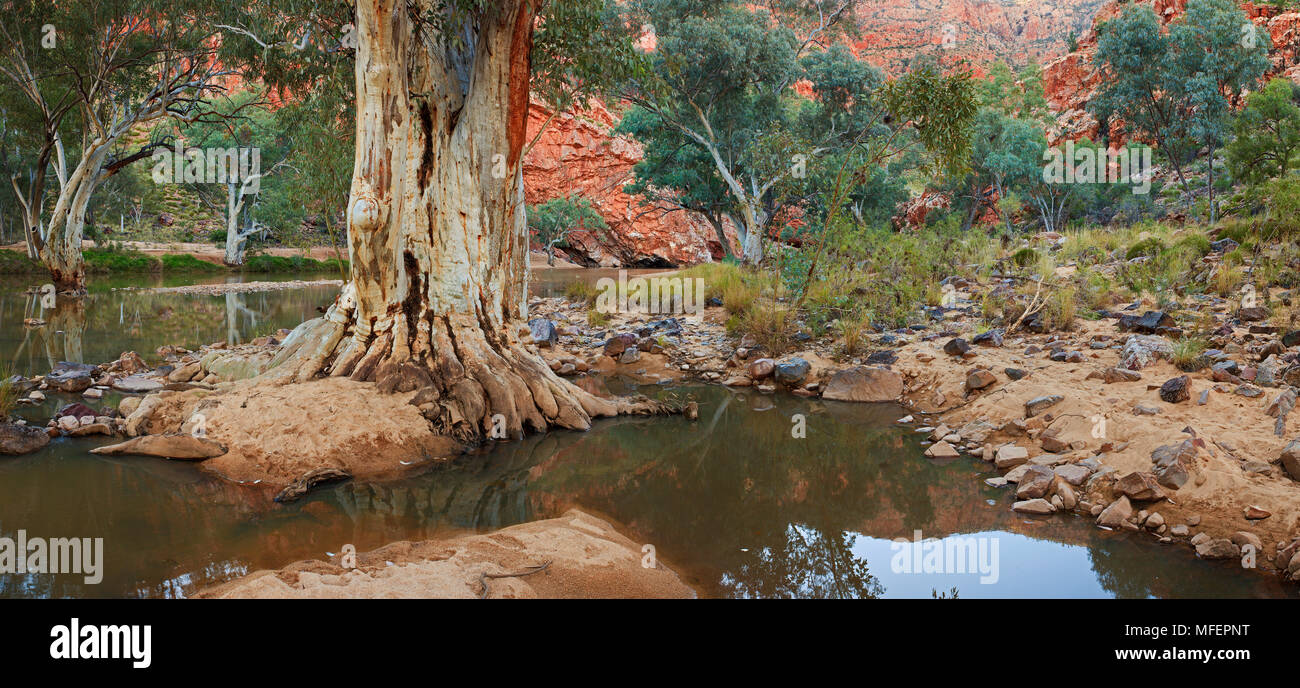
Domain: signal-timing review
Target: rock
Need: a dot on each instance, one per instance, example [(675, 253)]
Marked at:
[(1139, 485), (295, 490), (1073, 473), (1252, 314), (1282, 405), (1221, 548), (1014, 475), (1254, 513), (1052, 442), (68, 423), (761, 369), (941, 450), (1290, 459), (128, 405), (996, 482), (1242, 538), (1015, 373), (73, 378), (1266, 374), (544, 332), (1068, 498), (1036, 482), (1037, 405), (1113, 375), (1180, 530), (176, 446), (940, 432), (1176, 389), (630, 355), (1141, 350), (1010, 456), (18, 439), (989, 338), (1154, 521), (979, 379), (137, 384), (184, 373), (1150, 322), (1199, 538), (93, 393), (1039, 507), (91, 429), (1141, 410), (792, 372), (36, 395), (866, 385), (956, 347), (1116, 513)]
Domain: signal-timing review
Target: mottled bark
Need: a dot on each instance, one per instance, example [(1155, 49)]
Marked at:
[(436, 230)]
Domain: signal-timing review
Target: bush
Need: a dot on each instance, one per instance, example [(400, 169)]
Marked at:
[(114, 259), (1149, 247), (266, 263), (185, 262)]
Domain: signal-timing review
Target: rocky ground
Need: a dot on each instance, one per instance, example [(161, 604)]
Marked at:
[(1096, 421)]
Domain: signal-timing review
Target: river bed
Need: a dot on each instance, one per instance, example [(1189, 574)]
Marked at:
[(736, 502)]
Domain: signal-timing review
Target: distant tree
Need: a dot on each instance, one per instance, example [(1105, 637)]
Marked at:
[(1267, 133), (94, 73), (1175, 87), (552, 221)]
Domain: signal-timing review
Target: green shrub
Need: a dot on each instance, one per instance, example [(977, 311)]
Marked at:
[(1150, 247), (185, 262)]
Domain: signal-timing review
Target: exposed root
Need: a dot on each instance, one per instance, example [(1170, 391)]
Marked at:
[(470, 383)]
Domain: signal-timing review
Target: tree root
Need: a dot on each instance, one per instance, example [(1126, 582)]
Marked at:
[(471, 384)]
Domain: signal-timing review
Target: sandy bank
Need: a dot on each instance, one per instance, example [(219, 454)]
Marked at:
[(573, 556)]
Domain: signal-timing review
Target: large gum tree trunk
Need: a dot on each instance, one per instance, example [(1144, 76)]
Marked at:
[(437, 236), (61, 251)]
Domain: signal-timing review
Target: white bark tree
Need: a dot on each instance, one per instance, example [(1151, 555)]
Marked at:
[(125, 68), (436, 230)]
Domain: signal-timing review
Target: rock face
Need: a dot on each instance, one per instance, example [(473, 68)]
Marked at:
[(18, 439), (864, 384), (580, 155), (980, 31), (1070, 81)]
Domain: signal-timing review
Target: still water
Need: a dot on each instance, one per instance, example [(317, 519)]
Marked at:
[(733, 502)]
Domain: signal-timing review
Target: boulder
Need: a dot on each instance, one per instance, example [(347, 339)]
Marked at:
[(865, 385), (1141, 351), (543, 331), (792, 371), (18, 439), (1176, 389), (1290, 459), (989, 338), (1220, 548), (941, 450), (137, 384), (1036, 482), (1040, 507), (1010, 456), (1116, 513), (956, 347), (761, 369), (73, 378), (1139, 485), (979, 379), (1039, 404)]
